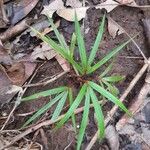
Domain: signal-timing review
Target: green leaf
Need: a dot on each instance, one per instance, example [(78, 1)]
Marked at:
[(113, 90), (75, 104), (72, 45), (109, 96), (81, 45), (113, 79), (51, 43), (108, 57), (45, 93), (108, 68), (97, 42), (59, 107), (44, 109), (71, 102), (84, 121), (59, 36), (98, 113), (58, 49), (64, 54)]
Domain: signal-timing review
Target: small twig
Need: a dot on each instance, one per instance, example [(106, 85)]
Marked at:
[(131, 57), (122, 98), (12, 31), (134, 108), (55, 77), (15, 106), (44, 138), (25, 114), (68, 145), (33, 139)]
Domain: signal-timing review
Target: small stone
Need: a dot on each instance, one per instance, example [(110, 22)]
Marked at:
[(146, 111)]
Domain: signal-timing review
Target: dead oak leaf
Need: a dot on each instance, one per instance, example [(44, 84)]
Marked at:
[(52, 7), (68, 13), (113, 28)]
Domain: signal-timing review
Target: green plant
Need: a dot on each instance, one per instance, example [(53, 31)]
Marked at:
[(89, 89)]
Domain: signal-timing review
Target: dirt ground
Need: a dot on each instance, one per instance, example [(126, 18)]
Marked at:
[(127, 63)]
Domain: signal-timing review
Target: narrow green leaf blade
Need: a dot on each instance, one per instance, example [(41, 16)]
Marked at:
[(98, 113), (109, 96), (59, 36), (45, 93), (72, 45), (108, 57), (81, 44), (112, 89), (58, 49), (43, 109), (84, 120), (97, 42), (108, 68), (60, 106), (75, 104), (113, 79), (71, 102)]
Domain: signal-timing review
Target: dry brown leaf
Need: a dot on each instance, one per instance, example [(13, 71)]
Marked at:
[(52, 7), (6, 87), (63, 63), (109, 5), (43, 51), (68, 13), (22, 8), (49, 29), (113, 28), (20, 71), (17, 74)]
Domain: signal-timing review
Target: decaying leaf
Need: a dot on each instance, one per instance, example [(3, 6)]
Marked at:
[(6, 87), (61, 10), (12, 78), (43, 51), (52, 7), (113, 28), (68, 13), (109, 5), (21, 9), (14, 30), (63, 63)]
